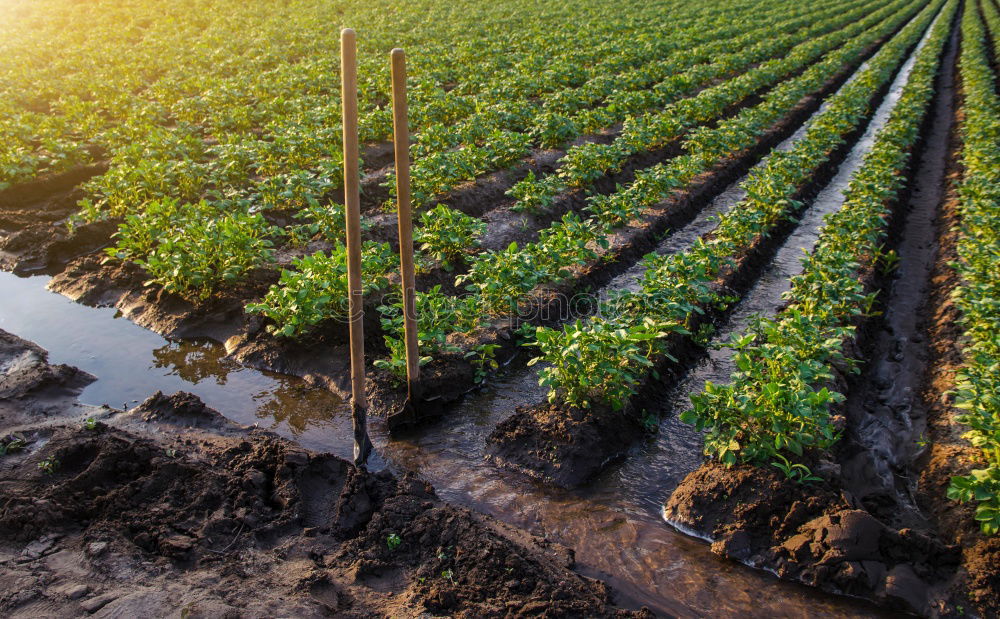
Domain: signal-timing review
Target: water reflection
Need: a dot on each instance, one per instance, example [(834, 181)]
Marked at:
[(298, 406), (194, 362)]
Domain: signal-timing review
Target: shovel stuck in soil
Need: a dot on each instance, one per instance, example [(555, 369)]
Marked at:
[(352, 210), (406, 415), (362, 444)]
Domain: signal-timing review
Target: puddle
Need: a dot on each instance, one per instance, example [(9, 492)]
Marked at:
[(131, 363)]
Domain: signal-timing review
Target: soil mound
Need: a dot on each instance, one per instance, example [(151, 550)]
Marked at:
[(816, 535), (29, 386), (180, 409), (563, 448), (256, 513)]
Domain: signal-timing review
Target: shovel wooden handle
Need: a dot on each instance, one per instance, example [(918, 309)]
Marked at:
[(401, 141), (352, 208)]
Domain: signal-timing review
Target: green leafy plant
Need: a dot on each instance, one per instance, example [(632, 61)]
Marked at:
[(393, 541), (12, 444), (49, 465), (982, 486), (484, 360), (191, 249), (597, 361), (316, 290), (977, 393), (438, 315), (447, 234), (794, 471)]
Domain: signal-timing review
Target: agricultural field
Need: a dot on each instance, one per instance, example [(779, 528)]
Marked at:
[(706, 309)]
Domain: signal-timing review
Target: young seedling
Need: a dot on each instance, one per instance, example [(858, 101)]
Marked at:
[(393, 541), (90, 424), (49, 465)]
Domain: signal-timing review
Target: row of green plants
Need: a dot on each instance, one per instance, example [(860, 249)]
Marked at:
[(502, 276), (497, 280), (63, 87), (448, 236), (504, 133), (585, 163), (977, 389), (314, 288), (231, 141), (190, 249), (706, 146), (240, 127), (236, 95), (778, 403), (677, 288)]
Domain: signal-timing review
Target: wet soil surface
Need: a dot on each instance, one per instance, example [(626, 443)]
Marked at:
[(816, 535), (31, 389), (169, 507), (33, 236), (945, 452), (614, 525)]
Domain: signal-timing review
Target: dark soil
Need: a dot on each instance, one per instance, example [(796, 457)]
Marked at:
[(33, 235), (948, 454), (820, 536), (32, 390), (562, 447), (170, 506)]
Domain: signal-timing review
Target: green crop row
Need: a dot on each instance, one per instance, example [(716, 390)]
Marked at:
[(558, 248), (978, 293), (587, 162), (777, 405), (447, 155), (245, 131), (498, 279), (141, 64), (676, 288), (707, 145), (239, 125)]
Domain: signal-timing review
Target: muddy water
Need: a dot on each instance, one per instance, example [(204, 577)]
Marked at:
[(614, 526), (887, 413), (131, 363), (614, 523)]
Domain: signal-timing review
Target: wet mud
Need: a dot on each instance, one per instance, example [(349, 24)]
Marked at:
[(171, 506)]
